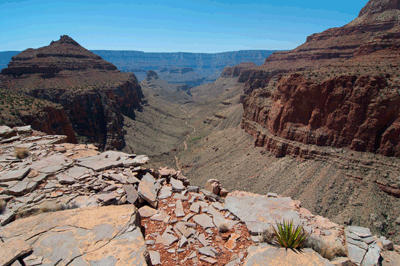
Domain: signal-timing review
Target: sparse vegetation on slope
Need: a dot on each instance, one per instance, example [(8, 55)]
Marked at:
[(15, 106)]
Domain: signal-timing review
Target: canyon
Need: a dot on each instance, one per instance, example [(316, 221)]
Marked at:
[(319, 124)]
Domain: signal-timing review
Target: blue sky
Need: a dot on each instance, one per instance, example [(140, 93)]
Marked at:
[(170, 26)]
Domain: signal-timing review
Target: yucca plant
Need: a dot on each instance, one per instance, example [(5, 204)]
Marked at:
[(288, 235)]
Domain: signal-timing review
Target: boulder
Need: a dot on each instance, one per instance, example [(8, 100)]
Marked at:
[(6, 132), (259, 213), (213, 185), (15, 175), (266, 255), (89, 236), (13, 250)]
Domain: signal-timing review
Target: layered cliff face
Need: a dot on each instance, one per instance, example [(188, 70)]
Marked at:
[(19, 110), (340, 88), (93, 93), (64, 54), (235, 71)]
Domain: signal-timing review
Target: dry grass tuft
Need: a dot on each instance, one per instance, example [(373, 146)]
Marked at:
[(45, 207), (223, 227), (3, 205), (21, 153), (54, 207), (268, 236)]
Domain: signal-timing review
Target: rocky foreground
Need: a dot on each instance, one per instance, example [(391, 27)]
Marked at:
[(68, 204)]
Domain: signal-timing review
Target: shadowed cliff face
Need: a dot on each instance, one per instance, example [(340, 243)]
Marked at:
[(19, 110), (93, 93), (344, 92)]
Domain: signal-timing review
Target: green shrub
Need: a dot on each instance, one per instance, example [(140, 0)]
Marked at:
[(289, 236), (196, 138)]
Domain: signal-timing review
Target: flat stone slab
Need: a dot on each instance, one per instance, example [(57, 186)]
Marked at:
[(148, 189), (259, 213), (147, 211), (5, 131), (203, 220), (86, 236), (23, 129), (131, 194), (177, 185), (98, 164), (195, 207), (359, 231), (165, 192), (154, 257), (15, 175), (137, 161), (77, 171), (373, 256), (161, 216), (108, 198), (51, 164), (355, 253), (23, 187), (65, 179), (166, 239), (266, 255), (109, 159), (208, 251), (179, 209)]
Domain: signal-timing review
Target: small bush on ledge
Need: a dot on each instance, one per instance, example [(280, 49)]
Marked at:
[(21, 153)]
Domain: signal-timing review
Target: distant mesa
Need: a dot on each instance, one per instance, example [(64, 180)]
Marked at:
[(151, 76), (193, 69), (153, 80), (94, 94), (64, 54)]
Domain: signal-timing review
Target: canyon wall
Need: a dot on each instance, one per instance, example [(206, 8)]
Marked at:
[(340, 88)]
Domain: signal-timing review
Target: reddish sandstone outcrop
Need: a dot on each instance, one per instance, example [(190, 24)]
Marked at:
[(345, 91), (93, 93), (359, 112)]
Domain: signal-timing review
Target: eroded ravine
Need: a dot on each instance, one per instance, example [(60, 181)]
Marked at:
[(185, 141)]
